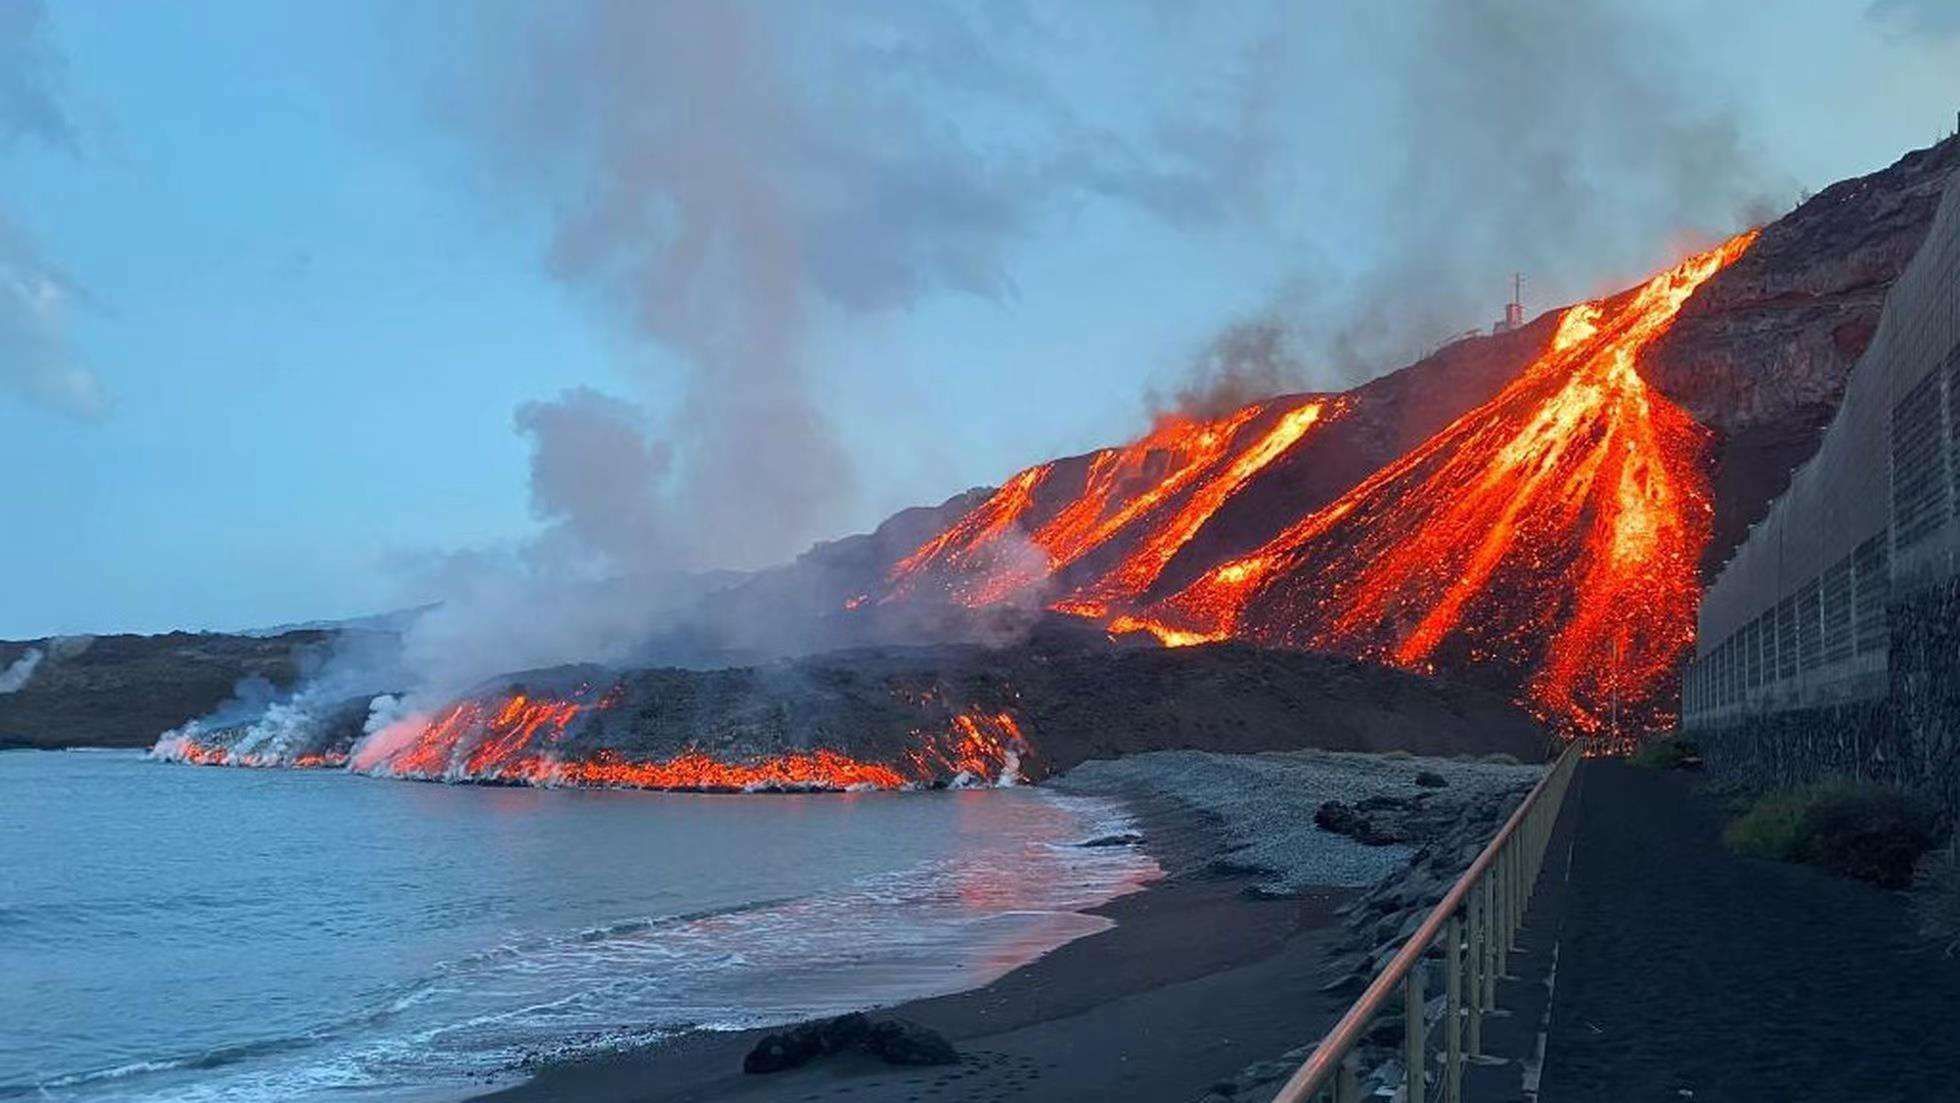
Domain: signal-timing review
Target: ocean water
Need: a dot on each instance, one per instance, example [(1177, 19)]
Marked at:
[(192, 933)]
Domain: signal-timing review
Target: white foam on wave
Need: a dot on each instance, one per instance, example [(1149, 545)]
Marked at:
[(928, 928)]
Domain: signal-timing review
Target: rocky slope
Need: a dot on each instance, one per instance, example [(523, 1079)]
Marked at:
[(120, 691)]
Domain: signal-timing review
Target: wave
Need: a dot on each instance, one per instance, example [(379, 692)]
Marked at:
[(936, 925)]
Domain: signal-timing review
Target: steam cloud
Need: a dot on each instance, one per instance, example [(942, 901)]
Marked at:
[(722, 175), (16, 676), (22, 670), (37, 362)]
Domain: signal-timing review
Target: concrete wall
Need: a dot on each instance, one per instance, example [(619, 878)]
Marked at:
[(1800, 618)]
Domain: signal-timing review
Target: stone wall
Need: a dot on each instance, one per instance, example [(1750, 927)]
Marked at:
[(1909, 739)]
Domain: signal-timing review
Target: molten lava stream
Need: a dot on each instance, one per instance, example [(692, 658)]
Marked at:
[(1128, 580), (1552, 532), (523, 741), (1003, 548)]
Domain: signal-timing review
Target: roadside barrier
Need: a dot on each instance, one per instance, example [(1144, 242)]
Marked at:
[(1474, 925)]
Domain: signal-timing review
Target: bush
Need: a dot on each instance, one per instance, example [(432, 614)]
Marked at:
[(1863, 831), (1667, 754), (1936, 896)]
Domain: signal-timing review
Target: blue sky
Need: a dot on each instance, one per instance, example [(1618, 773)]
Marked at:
[(284, 273)]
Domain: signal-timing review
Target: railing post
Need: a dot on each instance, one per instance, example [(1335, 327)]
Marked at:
[(1502, 890), (1453, 1011), (1412, 1018), (1476, 920), (1475, 981), (1347, 1083), (1488, 891)]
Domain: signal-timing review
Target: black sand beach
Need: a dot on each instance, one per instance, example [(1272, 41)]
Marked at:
[(1196, 981), (1198, 978), (1216, 967)]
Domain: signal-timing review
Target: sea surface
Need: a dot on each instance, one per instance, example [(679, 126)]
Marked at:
[(176, 932)]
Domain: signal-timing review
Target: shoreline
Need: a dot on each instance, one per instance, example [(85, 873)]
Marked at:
[(1199, 976)]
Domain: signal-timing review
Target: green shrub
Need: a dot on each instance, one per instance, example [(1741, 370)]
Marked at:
[(1771, 828), (1667, 754), (1936, 896), (1863, 831)]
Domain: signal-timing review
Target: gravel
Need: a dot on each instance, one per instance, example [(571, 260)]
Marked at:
[(1264, 803)]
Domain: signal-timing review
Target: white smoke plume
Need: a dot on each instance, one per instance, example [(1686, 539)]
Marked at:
[(721, 174), (22, 670), (16, 676)]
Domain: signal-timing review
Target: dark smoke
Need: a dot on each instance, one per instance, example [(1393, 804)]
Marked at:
[(1567, 139), (596, 481), (1243, 363)]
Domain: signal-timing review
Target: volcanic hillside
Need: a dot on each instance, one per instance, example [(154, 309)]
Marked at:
[(1531, 511), (1534, 509)]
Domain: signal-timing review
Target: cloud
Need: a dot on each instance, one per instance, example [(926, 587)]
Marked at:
[(30, 70), (37, 360)]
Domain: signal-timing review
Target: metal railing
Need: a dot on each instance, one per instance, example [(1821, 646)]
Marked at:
[(1475, 922)]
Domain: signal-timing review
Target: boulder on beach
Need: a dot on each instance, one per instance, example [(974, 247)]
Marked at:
[(894, 1041)]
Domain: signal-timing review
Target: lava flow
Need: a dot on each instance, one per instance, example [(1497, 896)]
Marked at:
[(1550, 534), (178, 747), (1145, 500), (528, 740)]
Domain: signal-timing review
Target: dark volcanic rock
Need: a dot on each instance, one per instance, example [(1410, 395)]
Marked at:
[(1074, 693), (901, 1042), (123, 691), (894, 1041), (1430, 779)]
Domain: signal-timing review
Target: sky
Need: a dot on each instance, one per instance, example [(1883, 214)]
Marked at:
[(307, 310)]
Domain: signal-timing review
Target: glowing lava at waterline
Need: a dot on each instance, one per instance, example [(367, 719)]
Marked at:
[(528, 739)]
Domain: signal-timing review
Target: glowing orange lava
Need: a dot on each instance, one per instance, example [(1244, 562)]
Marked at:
[(523, 740), (196, 752), (1154, 493), (1553, 532)]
